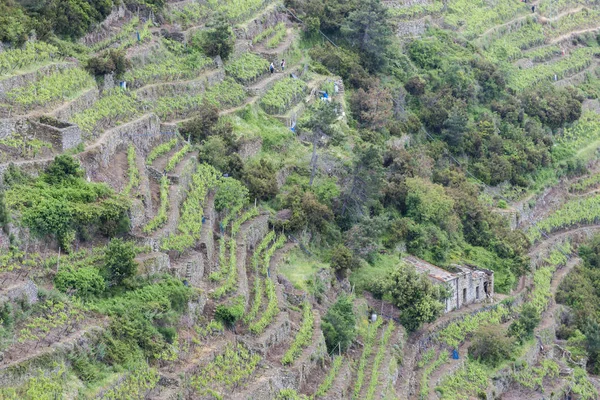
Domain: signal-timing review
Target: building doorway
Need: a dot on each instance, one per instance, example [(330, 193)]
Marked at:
[(464, 295)]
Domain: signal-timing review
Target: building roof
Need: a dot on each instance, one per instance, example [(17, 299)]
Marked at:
[(434, 272)]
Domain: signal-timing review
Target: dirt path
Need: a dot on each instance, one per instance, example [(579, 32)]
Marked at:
[(557, 278), (573, 33)]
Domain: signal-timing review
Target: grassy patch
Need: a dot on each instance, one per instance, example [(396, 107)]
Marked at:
[(300, 267)]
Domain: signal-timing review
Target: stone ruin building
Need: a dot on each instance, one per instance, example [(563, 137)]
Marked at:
[(468, 284)]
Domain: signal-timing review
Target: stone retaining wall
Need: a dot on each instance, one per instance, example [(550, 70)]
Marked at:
[(80, 104), (62, 138), (26, 290), (8, 84)]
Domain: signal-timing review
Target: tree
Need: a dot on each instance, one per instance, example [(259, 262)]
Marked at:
[(428, 202), (339, 324), (231, 193), (62, 168), (202, 125), (342, 259), (14, 23), (322, 116), (416, 297), (119, 260), (491, 346), (86, 281), (261, 179), (367, 28), (522, 329), (4, 217), (363, 183), (218, 40), (372, 107), (111, 61)]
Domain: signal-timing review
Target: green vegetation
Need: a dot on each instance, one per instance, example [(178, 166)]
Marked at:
[(454, 334), (247, 68), (49, 89), (339, 325), (279, 33), (192, 211), (228, 370), (285, 93), (369, 341), (578, 292), (303, 337), (585, 184), (225, 94), (383, 349), (23, 146), (331, 375), (132, 171), (62, 204), (440, 360), (177, 157), (470, 380), (427, 139), (136, 384), (115, 107), (580, 211), (169, 66), (161, 216), (32, 54), (533, 377), (160, 150)]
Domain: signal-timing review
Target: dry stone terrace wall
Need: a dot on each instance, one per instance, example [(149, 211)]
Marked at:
[(104, 29), (8, 84), (257, 26), (62, 138), (80, 104), (24, 290), (191, 87), (144, 133), (49, 359)]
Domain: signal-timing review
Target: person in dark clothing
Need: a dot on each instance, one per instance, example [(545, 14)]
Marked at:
[(532, 8), (272, 68), (282, 64)]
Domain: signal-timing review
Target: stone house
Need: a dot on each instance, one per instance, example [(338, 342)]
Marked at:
[(468, 284)]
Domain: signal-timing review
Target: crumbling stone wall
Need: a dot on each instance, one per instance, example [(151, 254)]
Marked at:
[(61, 138)]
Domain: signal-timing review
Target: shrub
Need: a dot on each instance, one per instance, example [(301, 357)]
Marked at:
[(111, 61), (62, 168), (85, 281), (230, 194), (261, 179), (522, 329), (490, 346), (339, 324), (231, 313), (119, 260), (202, 125), (342, 258), (218, 40)]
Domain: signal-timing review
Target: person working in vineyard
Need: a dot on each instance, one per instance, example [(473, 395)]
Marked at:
[(282, 64), (272, 68)]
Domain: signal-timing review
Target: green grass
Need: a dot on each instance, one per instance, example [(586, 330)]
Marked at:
[(300, 267)]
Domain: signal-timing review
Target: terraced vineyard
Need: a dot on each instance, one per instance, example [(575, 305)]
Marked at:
[(185, 223)]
